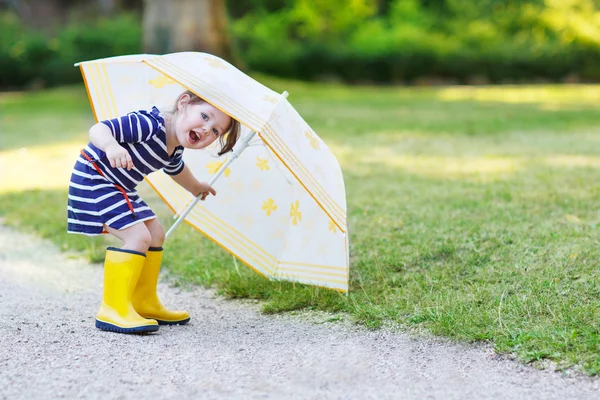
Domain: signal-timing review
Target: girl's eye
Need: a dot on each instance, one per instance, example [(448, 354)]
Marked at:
[(216, 132), (204, 117)]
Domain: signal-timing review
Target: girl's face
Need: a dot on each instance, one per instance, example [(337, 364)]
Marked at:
[(199, 125)]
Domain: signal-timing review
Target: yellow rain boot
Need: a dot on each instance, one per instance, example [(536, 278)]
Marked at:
[(145, 299), (121, 272)]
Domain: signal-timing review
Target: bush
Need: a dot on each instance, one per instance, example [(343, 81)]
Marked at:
[(402, 41), (28, 57), (516, 42), (22, 52)]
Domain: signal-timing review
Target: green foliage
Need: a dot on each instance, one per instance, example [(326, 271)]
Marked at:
[(78, 41), (389, 41), (31, 58), (455, 40), (22, 52)]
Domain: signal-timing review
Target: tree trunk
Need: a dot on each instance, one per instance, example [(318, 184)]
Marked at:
[(186, 25)]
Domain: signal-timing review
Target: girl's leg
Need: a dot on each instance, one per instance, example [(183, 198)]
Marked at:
[(122, 270), (157, 232), (136, 237), (145, 299)]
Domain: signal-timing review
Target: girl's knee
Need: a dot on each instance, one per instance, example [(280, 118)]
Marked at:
[(158, 235), (140, 241), (145, 240), (156, 231), (136, 237)]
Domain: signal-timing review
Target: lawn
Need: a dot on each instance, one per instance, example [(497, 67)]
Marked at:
[(472, 211)]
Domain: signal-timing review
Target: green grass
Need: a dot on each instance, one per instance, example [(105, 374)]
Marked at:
[(43, 117), (472, 212)]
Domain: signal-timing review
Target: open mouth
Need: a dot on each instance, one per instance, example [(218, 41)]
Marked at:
[(194, 136)]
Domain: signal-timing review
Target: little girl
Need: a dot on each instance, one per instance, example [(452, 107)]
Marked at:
[(102, 199)]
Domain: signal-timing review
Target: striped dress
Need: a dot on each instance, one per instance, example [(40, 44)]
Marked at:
[(95, 200)]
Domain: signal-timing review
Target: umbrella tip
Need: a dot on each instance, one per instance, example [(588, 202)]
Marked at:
[(285, 94)]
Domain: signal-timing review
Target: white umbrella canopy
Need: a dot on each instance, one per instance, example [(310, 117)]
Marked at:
[(281, 205)]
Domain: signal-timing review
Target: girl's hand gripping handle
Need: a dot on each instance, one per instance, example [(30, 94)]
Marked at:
[(203, 189)]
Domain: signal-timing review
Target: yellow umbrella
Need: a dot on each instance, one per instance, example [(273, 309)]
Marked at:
[(281, 206)]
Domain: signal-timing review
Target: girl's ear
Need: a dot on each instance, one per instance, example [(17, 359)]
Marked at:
[(183, 102)]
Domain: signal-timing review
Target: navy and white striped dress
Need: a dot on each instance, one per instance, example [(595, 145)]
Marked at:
[(94, 200)]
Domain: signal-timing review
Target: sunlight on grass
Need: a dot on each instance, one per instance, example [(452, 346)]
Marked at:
[(565, 94), (44, 167), (11, 97), (476, 168), (573, 161)]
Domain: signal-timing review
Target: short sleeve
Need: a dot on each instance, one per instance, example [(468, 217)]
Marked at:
[(176, 164), (135, 127)]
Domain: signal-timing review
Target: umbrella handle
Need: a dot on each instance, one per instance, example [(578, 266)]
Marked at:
[(237, 150)]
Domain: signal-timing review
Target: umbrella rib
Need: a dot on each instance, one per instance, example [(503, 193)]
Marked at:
[(308, 191), (336, 210), (173, 70)]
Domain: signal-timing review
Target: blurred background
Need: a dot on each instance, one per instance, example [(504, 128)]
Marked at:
[(424, 42)]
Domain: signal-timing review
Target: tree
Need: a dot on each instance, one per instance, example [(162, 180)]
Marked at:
[(187, 25)]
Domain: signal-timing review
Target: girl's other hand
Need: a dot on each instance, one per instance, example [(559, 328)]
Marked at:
[(204, 189), (118, 157)]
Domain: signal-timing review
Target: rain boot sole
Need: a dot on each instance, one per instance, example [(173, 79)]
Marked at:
[(182, 322), (114, 328)]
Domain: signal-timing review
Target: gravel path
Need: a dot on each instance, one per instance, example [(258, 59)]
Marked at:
[(49, 348)]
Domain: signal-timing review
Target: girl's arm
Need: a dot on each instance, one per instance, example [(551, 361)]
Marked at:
[(188, 181), (102, 137)]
